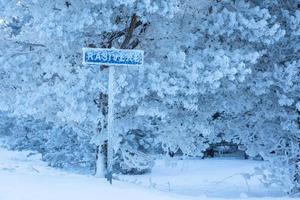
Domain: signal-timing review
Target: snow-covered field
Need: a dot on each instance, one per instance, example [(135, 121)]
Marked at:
[(24, 176), (230, 178)]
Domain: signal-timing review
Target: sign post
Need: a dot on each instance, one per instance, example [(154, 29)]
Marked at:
[(112, 58), (110, 122)]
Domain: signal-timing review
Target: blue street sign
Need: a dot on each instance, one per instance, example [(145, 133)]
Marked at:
[(98, 56)]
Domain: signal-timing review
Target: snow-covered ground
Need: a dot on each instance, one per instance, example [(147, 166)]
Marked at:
[(24, 176), (230, 178)]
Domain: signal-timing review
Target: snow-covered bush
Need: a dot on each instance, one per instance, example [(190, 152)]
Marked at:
[(61, 146)]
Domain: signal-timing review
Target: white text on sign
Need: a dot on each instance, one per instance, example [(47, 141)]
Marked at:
[(112, 56)]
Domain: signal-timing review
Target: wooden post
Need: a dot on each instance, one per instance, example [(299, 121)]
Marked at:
[(110, 124)]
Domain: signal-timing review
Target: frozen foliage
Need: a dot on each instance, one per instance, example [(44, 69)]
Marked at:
[(41, 71), (214, 71), (61, 146)]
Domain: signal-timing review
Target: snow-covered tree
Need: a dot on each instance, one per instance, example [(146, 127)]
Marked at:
[(262, 112), (214, 71), (41, 56)]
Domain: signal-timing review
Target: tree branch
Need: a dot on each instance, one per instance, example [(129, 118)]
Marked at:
[(128, 35)]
